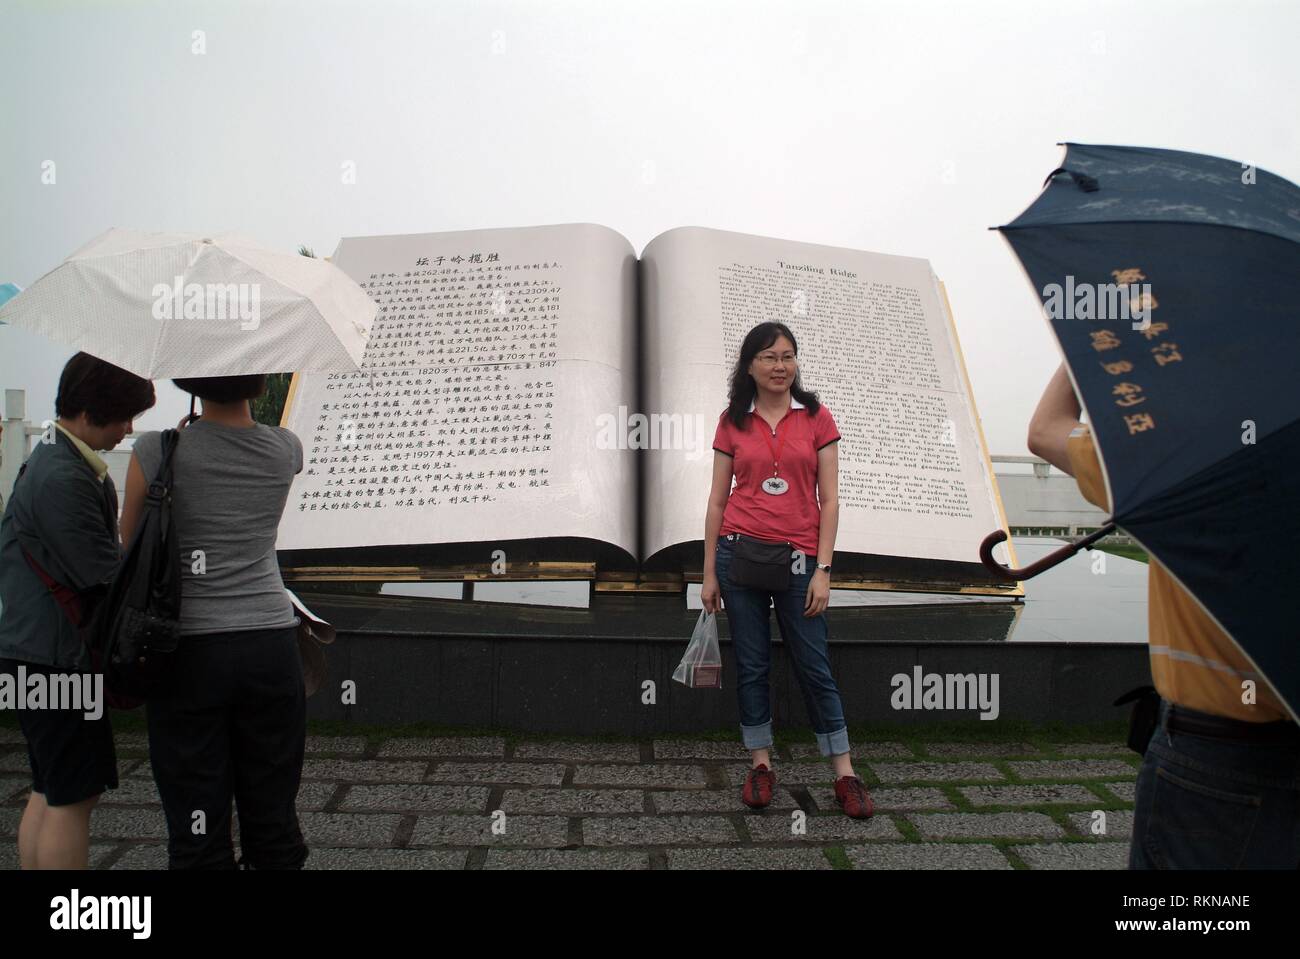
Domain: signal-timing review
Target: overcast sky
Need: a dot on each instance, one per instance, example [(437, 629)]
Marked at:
[(903, 128)]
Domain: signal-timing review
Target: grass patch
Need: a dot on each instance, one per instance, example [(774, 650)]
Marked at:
[(1128, 552), (836, 856)]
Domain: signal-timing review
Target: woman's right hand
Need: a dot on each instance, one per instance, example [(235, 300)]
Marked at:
[(711, 594)]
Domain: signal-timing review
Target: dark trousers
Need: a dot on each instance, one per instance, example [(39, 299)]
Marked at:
[(1211, 803), (233, 725)]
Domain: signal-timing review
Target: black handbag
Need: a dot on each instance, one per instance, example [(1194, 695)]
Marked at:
[(759, 564), (138, 625)]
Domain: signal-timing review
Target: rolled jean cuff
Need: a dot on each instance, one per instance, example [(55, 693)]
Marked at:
[(832, 744), (758, 737)]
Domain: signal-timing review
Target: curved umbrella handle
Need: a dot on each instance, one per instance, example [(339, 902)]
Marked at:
[(1044, 564)]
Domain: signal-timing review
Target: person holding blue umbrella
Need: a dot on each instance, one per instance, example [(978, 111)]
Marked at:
[(1171, 281)]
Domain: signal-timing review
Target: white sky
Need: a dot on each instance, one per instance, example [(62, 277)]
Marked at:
[(903, 128)]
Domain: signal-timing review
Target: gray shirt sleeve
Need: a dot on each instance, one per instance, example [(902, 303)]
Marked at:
[(148, 450)]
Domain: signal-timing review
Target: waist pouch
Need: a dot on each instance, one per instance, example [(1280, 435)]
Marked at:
[(759, 564), (1144, 717)]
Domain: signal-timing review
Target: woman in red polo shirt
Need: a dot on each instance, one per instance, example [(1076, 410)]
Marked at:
[(779, 443)]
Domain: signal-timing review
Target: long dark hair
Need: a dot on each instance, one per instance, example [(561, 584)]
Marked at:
[(743, 388)]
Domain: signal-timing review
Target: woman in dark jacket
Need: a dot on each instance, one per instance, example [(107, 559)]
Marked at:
[(60, 530), (232, 722), (779, 442)]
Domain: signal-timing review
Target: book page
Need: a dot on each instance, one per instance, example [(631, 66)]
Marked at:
[(475, 417), (877, 346)]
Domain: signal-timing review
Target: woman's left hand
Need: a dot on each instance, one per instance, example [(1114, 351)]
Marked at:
[(819, 594)]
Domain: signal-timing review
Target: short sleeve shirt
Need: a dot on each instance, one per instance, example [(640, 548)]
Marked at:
[(795, 515), (1194, 663)]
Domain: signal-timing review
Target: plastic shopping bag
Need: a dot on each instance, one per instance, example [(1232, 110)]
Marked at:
[(701, 667)]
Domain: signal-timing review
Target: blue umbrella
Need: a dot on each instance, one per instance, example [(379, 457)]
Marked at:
[(1172, 283), (7, 292)]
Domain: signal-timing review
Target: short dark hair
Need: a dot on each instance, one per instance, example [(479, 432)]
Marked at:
[(104, 392), (224, 389)]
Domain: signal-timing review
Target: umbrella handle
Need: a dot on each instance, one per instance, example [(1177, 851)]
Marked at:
[(1044, 564)]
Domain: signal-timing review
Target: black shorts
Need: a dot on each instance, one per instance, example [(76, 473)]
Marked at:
[(72, 757)]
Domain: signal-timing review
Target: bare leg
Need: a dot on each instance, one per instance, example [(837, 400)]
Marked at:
[(760, 757), (29, 829), (843, 765), (64, 839)]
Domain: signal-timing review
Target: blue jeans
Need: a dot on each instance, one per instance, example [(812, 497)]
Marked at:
[(1206, 803), (805, 638)]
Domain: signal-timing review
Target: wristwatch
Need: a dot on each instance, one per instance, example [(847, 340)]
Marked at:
[(825, 566)]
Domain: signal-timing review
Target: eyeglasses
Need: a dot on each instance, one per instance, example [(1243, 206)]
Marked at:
[(769, 359)]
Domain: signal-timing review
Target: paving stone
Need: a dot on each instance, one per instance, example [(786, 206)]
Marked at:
[(96, 854), (336, 745), (1026, 795), (860, 752), (415, 799), (456, 830), (135, 768), (10, 735), (348, 829), (657, 830), (822, 829), (112, 822), (977, 750), (100, 852), (685, 749), (145, 856), (330, 858), (1073, 769), (1125, 792), (12, 786), (131, 792), (486, 747), (998, 825), (1074, 855), (14, 761), (1119, 824), (934, 772), (363, 771), (550, 859), (131, 744), (787, 774), (532, 774), (573, 802), (312, 797), (580, 752), (927, 855), (887, 799), (1093, 749), (10, 816), (646, 775), (748, 859), (715, 800)]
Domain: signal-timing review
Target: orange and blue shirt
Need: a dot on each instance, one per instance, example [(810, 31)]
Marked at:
[(1194, 663), (795, 515)]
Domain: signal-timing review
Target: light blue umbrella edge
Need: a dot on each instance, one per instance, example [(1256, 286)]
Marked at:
[(7, 292)]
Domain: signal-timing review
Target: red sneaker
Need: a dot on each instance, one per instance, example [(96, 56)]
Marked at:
[(852, 796), (757, 792)]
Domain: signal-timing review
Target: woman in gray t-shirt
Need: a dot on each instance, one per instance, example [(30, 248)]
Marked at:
[(232, 723)]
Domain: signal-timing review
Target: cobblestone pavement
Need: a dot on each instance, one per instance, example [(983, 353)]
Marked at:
[(482, 802)]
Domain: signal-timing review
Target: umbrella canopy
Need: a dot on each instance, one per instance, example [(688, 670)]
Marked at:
[(8, 291), (1190, 371), (166, 305)]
